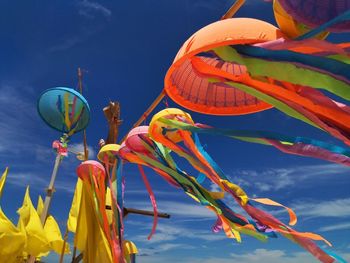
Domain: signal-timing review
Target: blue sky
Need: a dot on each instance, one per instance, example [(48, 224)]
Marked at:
[(125, 48)]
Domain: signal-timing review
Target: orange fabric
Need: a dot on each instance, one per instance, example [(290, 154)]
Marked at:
[(209, 169), (173, 146), (342, 119), (225, 32), (228, 32), (266, 201), (305, 235)]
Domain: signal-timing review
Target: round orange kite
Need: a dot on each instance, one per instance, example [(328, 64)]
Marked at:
[(186, 86)]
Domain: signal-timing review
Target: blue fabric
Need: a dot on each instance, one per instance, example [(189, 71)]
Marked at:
[(228, 213), (262, 135), (208, 157), (335, 256), (341, 18), (201, 178)]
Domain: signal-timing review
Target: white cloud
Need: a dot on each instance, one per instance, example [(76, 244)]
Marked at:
[(24, 179), (283, 178), (67, 43), (159, 249), (89, 9), (256, 256), (167, 232), (333, 208), (273, 256), (79, 148), (263, 255), (38, 181), (335, 227), (18, 115)]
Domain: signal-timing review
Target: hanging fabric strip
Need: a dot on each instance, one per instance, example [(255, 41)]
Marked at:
[(285, 72), (153, 201), (269, 138), (267, 201)]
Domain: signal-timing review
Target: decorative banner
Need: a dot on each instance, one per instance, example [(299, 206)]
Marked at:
[(170, 133), (93, 233)]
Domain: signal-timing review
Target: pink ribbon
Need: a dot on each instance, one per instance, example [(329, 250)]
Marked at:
[(60, 149)]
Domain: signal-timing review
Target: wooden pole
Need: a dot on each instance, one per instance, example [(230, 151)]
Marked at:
[(86, 157), (112, 114), (80, 80), (65, 237), (143, 212), (127, 211), (233, 9)]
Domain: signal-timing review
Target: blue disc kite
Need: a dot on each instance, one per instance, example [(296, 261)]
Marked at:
[(64, 109)]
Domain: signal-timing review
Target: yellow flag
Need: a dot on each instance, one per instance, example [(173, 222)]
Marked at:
[(2, 180), (74, 210), (54, 236), (12, 241), (30, 224), (52, 231), (39, 209), (40, 206), (89, 237)]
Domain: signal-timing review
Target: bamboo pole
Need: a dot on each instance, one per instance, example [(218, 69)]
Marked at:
[(65, 237), (86, 156), (50, 190), (80, 80), (233, 9), (85, 159)]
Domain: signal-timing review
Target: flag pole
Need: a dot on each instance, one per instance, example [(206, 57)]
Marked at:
[(233, 9), (48, 197), (86, 157)]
